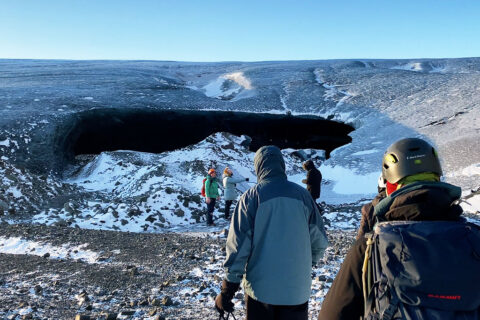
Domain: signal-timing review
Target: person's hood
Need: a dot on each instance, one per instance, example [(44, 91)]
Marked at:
[(308, 165), (423, 200), (269, 164)]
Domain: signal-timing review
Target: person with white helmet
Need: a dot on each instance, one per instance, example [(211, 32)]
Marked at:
[(368, 219)]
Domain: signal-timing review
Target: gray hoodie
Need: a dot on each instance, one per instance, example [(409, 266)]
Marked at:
[(276, 235), (230, 183)]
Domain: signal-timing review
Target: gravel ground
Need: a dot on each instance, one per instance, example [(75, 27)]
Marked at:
[(134, 275), (133, 271)]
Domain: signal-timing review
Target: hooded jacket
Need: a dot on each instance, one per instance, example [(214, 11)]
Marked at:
[(229, 185), (419, 201), (276, 235)]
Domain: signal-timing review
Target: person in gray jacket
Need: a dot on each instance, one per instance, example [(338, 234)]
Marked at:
[(230, 194), (276, 236)]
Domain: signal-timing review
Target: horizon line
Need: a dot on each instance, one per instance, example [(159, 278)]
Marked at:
[(240, 61)]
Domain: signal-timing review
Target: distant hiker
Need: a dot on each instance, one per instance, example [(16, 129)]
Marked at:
[(368, 219), (313, 180), (230, 193), (422, 259), (276, 235), (211, 194)]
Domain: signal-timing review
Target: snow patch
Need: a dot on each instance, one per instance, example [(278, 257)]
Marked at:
[(471, 205), (15, 192), (365, 152), (438, 69), (412, 66), (343, 185), (347, 181), (421, 67), (5, 143), (16, 245), (332, 92), (162, 81), (228, 86), (240, 79), (342, 221), (473, 169)]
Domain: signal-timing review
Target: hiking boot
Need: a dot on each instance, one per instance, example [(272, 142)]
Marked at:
[(212, 224)]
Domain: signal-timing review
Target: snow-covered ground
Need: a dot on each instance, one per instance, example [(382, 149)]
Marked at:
[(148, 192)]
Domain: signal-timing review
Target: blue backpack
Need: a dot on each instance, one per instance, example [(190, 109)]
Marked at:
[(422, 270)]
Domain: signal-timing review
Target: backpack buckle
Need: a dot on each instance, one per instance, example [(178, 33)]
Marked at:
[(390, 310)]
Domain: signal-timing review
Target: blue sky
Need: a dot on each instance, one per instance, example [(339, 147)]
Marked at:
[(242, 30)]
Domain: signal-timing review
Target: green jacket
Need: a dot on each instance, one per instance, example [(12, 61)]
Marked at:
[(276, 235), (211, 187)]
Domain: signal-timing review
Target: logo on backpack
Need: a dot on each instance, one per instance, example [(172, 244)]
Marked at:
[(422, 270)]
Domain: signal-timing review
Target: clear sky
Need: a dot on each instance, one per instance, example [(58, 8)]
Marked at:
[(241, 30)]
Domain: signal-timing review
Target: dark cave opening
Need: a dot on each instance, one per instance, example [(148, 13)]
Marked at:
[(156, 131)]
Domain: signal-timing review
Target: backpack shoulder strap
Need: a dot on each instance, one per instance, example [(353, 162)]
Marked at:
[(367, 278), (368, 283), (367, 267)]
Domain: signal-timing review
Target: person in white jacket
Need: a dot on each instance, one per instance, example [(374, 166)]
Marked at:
[(229, 184)]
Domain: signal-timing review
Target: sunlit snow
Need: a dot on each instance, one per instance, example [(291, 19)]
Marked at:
[(16, 245)]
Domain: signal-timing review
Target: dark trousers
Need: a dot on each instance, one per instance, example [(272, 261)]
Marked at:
[(257, 310), (228, 204), (210, 208)]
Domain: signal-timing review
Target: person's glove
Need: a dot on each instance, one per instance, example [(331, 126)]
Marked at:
[(247, 179), (223, 302)]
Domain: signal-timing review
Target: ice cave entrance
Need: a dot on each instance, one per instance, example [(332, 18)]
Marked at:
[(156, 131)]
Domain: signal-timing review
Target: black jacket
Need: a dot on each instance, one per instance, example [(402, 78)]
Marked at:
[(313, 181), (434, 201), (368, 219)]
